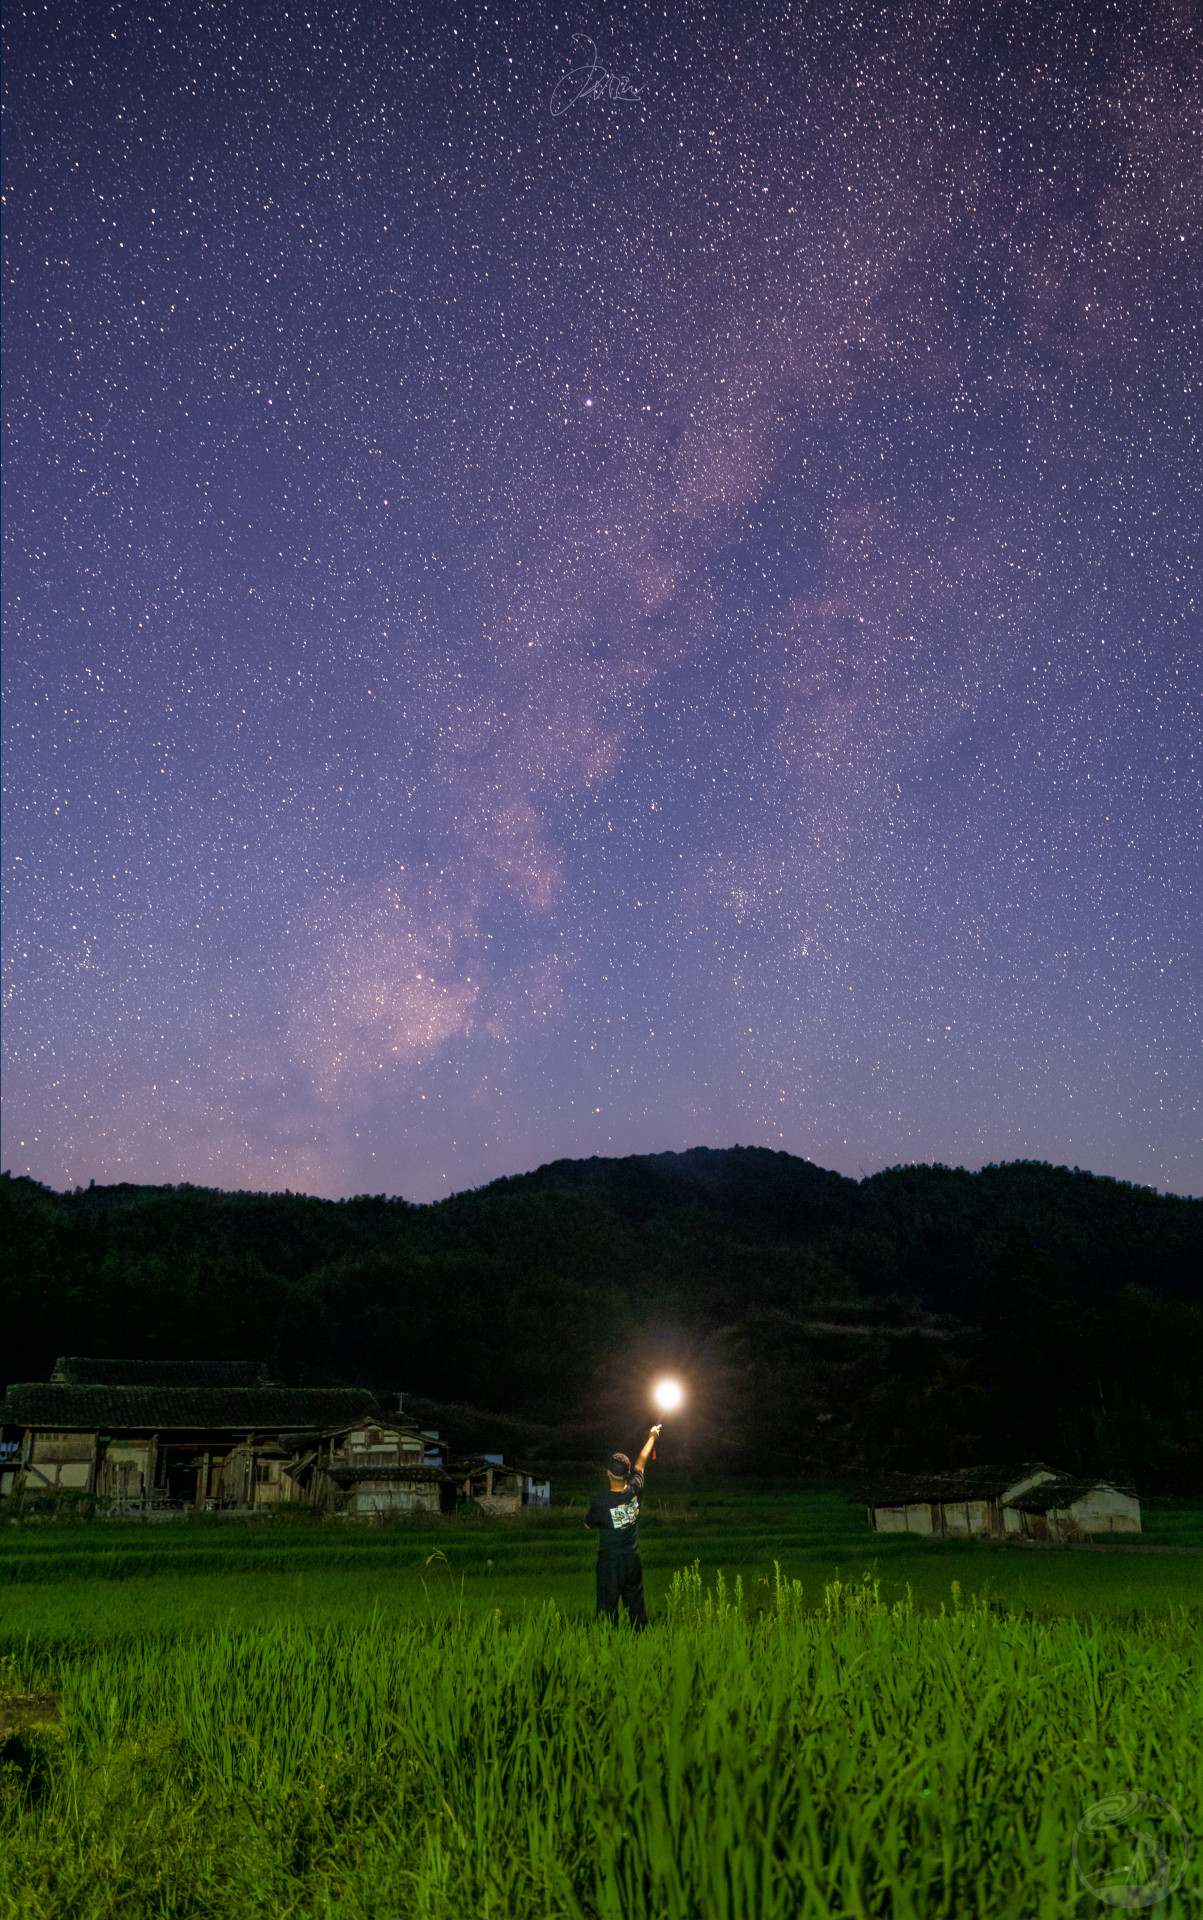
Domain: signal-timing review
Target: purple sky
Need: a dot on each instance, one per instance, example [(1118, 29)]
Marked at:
[(537, 634)]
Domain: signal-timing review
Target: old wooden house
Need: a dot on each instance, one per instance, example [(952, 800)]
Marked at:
[(164, 1437), (379, 1467), (999, 1503)]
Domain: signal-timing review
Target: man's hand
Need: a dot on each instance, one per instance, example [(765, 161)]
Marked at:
[(648, 1444)]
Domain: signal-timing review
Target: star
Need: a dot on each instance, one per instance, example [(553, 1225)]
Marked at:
[(804, 754)]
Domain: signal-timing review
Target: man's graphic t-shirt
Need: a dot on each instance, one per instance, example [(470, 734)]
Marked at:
[(616, 1517)]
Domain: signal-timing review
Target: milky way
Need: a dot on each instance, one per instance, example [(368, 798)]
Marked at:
[(669, 620)]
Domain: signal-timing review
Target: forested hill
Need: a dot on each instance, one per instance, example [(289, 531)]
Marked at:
[(919, 1317)]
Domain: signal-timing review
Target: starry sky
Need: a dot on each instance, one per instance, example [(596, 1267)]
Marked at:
[(593, 597)]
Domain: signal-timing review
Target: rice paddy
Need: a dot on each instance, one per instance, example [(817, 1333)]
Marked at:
[(382, 1724)]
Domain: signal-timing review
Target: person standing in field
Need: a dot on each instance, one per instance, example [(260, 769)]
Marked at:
[(615, 1514)]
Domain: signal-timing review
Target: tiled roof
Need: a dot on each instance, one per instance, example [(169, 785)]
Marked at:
[(970, 1483), (72, 1370), (238, 1409), (1060, 1494)]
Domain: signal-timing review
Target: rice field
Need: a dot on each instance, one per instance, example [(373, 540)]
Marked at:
[(71, 1586), (786, 1743)]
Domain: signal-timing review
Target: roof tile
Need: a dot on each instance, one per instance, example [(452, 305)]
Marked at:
[(238, 1409)]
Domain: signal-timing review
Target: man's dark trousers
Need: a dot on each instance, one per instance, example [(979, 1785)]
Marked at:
[(620, 1577)]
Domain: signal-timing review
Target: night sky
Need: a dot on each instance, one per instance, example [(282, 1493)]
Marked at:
[(670, 621)]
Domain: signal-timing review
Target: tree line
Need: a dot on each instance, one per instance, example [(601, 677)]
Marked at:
[(923, 1317)]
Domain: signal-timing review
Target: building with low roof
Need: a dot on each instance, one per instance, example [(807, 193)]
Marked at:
[(497, 1488), (1064, 1510), (1000, 1503)]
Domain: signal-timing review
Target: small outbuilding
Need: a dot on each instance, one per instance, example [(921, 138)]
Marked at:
[(1063, 1510), (1000, 1503), (498, 1489)]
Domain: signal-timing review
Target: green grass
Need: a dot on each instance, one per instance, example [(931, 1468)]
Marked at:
[(378, 1724), (783, 1765), (83, 1584)]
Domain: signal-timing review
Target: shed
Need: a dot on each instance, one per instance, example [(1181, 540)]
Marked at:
[(498, 1488), (1000, 1502), (1062, 1511), (966, 1505)]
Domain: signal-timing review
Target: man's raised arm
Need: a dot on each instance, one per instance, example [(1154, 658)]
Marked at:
[(645, 1455)]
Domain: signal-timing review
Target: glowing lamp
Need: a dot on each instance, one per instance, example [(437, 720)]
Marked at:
[(668, 1395)]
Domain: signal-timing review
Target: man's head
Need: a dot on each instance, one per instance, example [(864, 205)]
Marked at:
[(618, 1467)]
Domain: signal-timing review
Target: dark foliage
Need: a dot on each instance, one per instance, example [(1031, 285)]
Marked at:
[(924, 1317)]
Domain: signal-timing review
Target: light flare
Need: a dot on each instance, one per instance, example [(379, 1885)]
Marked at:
[(668, 1395)]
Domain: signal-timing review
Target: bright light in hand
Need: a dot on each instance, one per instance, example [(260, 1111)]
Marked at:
[(668, 1395)]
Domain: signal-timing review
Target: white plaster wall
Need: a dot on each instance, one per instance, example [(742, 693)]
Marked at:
[(963, 1518), (890, 1519), (1103, 1510)]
